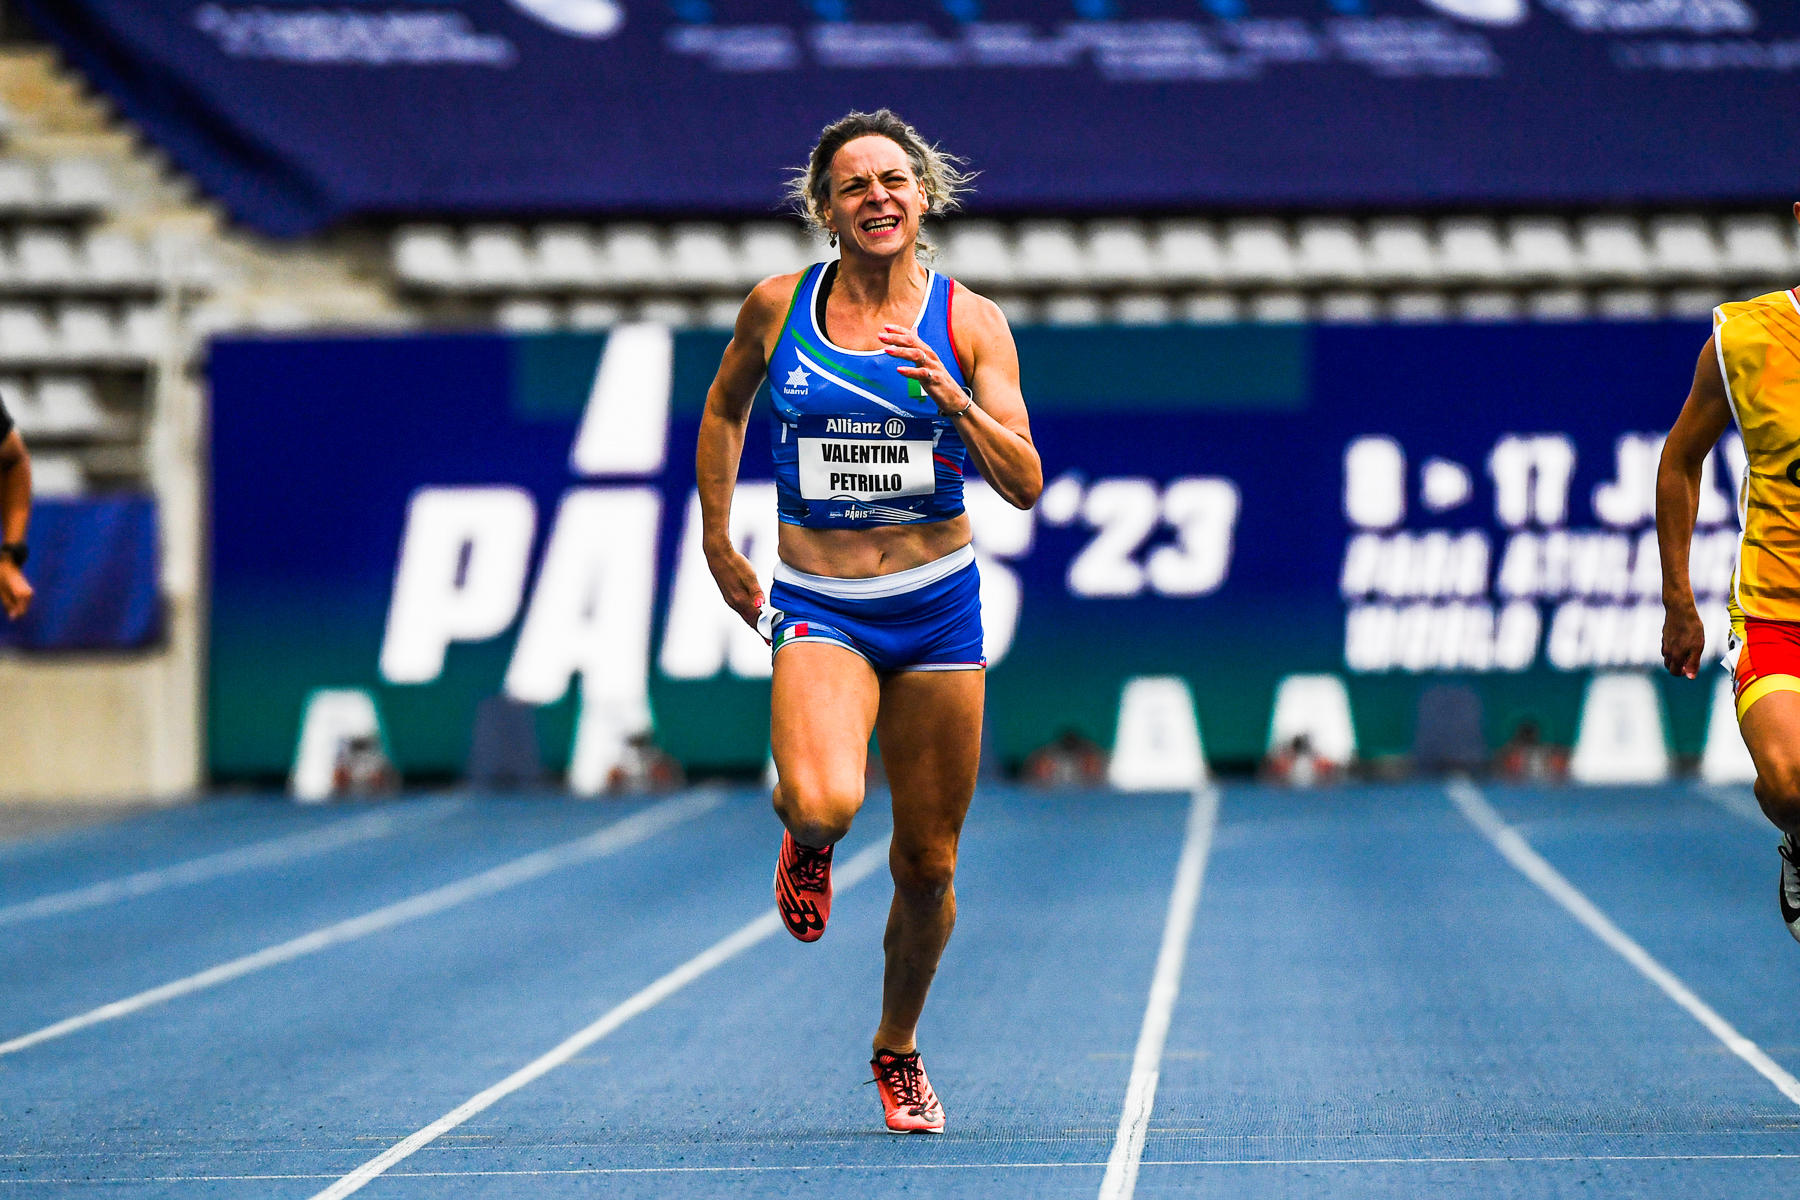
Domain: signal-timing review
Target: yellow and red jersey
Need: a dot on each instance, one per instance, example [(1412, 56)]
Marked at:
[(1758, 343)]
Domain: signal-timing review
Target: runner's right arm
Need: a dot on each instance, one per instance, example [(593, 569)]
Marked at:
[(721, 442), (1703, 419)]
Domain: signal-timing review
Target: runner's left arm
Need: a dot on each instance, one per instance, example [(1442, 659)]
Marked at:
[(996, 429), (1703, 419)]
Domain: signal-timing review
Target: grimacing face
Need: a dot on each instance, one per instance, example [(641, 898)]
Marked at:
[(875, 203)]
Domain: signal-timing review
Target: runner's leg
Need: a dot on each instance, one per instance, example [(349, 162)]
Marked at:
[(930, 731), (1771, 728), (822, 710)]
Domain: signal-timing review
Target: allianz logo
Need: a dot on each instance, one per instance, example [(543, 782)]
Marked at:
[(894, 427)]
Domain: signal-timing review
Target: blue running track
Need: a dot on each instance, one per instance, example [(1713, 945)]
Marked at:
[(1375, 1002)]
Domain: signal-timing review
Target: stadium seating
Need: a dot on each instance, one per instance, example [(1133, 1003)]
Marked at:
[(1475, 267)]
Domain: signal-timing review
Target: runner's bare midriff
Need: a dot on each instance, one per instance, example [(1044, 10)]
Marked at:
[(863, 553)]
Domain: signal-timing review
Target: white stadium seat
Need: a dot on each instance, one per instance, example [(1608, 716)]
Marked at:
[(1073, 308), (768, 248), (596, 314), (1557, 304), (563, 256), (1488, 306), (720, 312), (1210, 308), (1258, 251), (1683, 247), (46, 256), (1419, 306), (1143, 308), (25, 333), (978, 252), (86, 331), (1758, 246), (703, 256), (495, 256), (69, 405), (1469, 248), (634, 256), (113, 257), (1279, 308), (21, 186), (1349, 308), (57, 475), (82, 183), (1627, 304), (1400, 250), (1612, 247), (1118, 252), (1695, 304), (524, 314), (667, 310), (1541, 249), (1188, 252), (1018, 309), (1048, 254), (145, 332), (1331, 251), (429, 255)]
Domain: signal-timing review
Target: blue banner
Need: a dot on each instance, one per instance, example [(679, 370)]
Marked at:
[(443, 518), (299, 113), (94, 569)]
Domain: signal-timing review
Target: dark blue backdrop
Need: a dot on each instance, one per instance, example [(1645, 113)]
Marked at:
[(298, 113), (318, 445)]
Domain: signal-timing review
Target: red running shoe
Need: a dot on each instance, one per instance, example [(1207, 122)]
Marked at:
[(912, 1107), (803, 888)]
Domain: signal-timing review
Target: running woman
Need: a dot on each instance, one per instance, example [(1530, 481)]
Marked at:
[(884, 378), (1749, 372)]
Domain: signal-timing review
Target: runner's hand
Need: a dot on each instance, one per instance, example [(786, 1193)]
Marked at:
[(737, 582), (1683, 640), (15, 591), (927, 367)]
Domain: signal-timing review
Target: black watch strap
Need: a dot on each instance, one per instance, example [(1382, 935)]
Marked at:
[(17, 551)]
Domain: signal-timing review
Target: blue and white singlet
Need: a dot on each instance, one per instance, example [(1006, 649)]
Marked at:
[(856, 443)]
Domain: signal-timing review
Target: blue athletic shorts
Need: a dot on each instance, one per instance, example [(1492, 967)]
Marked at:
[(926, 618)]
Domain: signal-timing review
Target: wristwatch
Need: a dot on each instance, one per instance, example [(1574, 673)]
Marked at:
[(17, 551)]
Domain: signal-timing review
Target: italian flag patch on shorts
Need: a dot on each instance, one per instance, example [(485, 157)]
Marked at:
[(797, 629)]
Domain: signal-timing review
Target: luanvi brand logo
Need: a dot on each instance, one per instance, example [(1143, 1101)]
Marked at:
[(798, 382), (582, 18)]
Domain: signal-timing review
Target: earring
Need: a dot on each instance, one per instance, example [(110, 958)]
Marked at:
[(831, 240)]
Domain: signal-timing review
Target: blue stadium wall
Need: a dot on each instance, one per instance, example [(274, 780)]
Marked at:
[(1398, 505)]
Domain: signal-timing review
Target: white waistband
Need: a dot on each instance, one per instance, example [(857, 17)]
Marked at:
[(876, 586)]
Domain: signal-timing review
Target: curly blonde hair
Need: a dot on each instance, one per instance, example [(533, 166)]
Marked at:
[(940, 174)]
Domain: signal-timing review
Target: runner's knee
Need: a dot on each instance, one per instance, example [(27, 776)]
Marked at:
[(1778, 791), (817, 811), (923, 874)]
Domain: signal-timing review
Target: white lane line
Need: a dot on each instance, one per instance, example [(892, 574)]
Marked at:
[(844, 878), (1165, 987), (1534, 867), (613, 838), (802, 1168), (228, 862)]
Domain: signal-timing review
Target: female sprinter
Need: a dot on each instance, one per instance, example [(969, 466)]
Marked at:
[(884, 376)]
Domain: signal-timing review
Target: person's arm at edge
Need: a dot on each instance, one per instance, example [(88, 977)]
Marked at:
[(15, 520), (1704, 417), (996, 431), (720, 445)]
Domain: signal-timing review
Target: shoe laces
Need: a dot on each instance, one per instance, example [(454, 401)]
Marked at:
[(904, 1075), (810, 867)]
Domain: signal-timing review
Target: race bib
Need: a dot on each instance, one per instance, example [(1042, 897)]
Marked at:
[(865, 458)]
